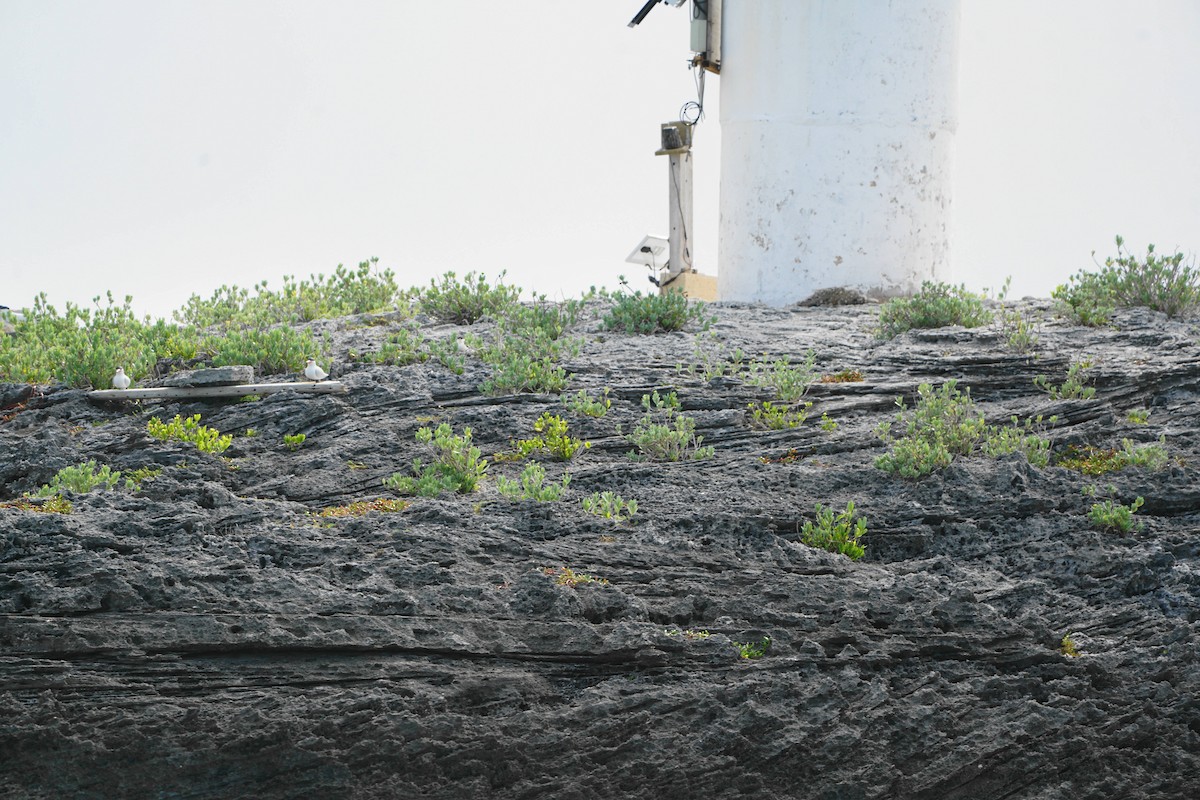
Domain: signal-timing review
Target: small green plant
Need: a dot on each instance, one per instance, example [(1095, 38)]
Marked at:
[(828, 424), (361, 507), (134, 479), (468, 301), (610, 505), (753, 650), (553, 438), (81, 479), (1019, 330), (206, 439), (250, 433), (712, 361), (1138, 416), (582, 403), (936, 305), (293, 441), (768, 416), (1110, 516), (518, 371), (406, 346), (688, 634), (1161, 283), (1028, 439), (637, 313), (664, 434), (835, 532), (532, 485), (1073, 388), (790, 382), (565, 576), (356, 465), (1067, 647), (457, 468)]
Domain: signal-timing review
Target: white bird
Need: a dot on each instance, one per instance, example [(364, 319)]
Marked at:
[(313, 372), (120, 380)]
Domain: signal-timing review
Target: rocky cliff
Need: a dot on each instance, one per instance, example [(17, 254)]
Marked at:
[(211, 636)]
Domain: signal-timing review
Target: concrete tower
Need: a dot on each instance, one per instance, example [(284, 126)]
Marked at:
[(837, 127)]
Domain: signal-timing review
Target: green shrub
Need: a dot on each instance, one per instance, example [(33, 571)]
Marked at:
[(343, 293), (1161, 283), (582, 403), (1019, 330), (516, 371), (1138, 416), (565, 576), (665, 435), (653, 313), (936, 305), (789, 382), (457, 468), (610, 505), (206, 439), (553, 438), (468, 301), (753, 650), (713, 361), (769, 416), (551, 320), (1095, 461), (1025, 439), (1110, 516), (1073, 388), (943, 424), (271, 351), (837, 533), (293, 441), (51, 505), (406, 346), (532, 485), (81, 479)]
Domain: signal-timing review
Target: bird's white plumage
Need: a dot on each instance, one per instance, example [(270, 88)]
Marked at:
[(313, 372), (120, 380)]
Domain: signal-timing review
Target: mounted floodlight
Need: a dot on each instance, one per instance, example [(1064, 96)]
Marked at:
[(641, 15), (651, 251)]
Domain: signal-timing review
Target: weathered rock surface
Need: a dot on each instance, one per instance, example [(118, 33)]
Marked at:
[(207, 637)]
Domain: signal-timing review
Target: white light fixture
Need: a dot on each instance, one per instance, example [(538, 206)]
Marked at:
[(651, 252)]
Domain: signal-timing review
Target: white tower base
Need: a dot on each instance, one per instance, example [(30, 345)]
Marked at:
[(837, 127)]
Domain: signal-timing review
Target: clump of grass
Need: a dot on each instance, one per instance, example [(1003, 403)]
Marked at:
[(467, 301), (637, 313), (768, 416), (457, 466), (531, 485), (1111, 516), (664, 434), (836, 532), (362, 507), (936, 305), (583, 403), (1097, 461), (610, 505), (845, 376), (206, 439), (1161, 283), (1074, 387), (565, 576)]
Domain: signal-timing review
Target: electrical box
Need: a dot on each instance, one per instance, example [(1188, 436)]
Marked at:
[(706, 34)]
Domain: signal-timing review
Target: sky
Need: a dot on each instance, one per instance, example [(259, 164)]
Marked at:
[(163, 149)]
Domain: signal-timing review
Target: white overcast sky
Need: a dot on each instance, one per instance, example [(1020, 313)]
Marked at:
[(161, 148)]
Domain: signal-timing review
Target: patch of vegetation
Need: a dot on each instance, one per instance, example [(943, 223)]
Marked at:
[(206, 439), (1161, 283), (790, 457), (637, 313), (753, 650), (516, 371), (1111, 516), (583, 403), (401, 348), (553, 438), (1138, 416), (610, 505), (712, 362), (790, 382), (828, 424), (1074, 387), (1027, 439), (835, 532), (1019, 330), (768, 416), (272, 351), (1067, 647), (81, 479), (1098, 461), (343, 293), (531, 485), (457, 468), (51, 505), (134, 479), (688, 634), (936, 305), (362, 507), (664, 434), (468, 301), (565, 576), (845, 376), (293, 441)]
